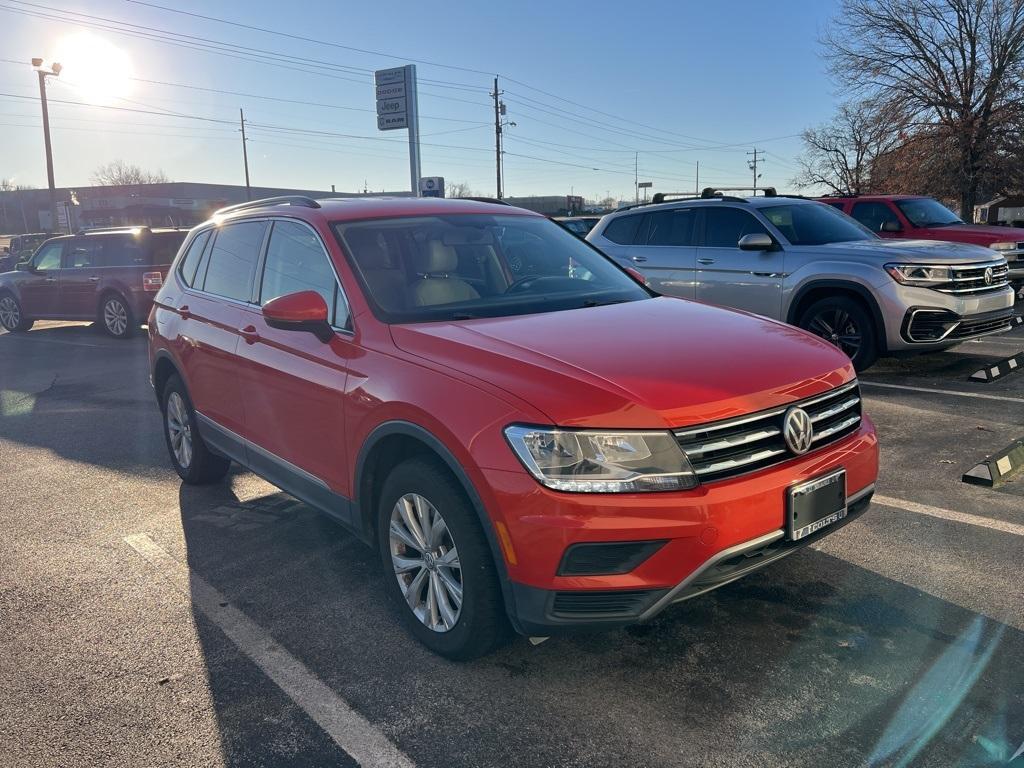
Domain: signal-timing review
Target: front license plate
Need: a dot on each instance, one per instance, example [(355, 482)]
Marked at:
[(815, 504)]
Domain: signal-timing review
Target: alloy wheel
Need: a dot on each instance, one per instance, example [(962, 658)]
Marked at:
[(179, 430), (837, 326), (115, 317), (10, 313), (426, 562)]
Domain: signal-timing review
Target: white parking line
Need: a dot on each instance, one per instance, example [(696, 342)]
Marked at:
[(57, 341), (949, 514), (349, 730), (978, 395)]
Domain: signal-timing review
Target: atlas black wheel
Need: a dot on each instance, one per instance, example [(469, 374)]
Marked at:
[(194, 462), (439, 569), (846, 323), (11, 316)]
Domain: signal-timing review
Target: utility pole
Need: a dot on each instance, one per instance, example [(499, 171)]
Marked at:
[(42, 72), (636, 176), (696, 185), (245, 156), (497, 135), (752, 164)]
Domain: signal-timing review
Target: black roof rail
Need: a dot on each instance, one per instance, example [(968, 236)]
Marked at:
[(494, 200), (267, 202), (711, 192), (101, 230)]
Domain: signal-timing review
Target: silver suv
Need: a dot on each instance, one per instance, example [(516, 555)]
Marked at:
[(810, 265)]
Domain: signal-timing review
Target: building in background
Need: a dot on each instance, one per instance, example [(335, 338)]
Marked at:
[(170, 204), (549, 205), (1008, 209)]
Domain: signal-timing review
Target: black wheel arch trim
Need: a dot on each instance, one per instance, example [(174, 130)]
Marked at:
[(407, 428), (857, 288)]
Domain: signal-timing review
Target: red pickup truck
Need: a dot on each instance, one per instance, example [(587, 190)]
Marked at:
[(924, 218)]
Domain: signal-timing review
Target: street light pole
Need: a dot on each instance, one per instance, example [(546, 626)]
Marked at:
[(54, 70)]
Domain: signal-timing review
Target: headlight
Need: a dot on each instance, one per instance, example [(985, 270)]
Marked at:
[(923, 275), (586, 461), (1007, 246)]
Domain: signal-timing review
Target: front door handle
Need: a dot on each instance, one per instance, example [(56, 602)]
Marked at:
[(183, 312), (51, 279), (250, 334), (94, 279), (638, 259), (705, 261)]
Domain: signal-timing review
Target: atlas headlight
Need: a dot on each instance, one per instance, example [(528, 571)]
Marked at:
[(922, 275), (1005, 246), (591, 461)]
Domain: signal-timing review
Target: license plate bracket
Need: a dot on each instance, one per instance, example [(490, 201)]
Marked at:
[(815, 504)]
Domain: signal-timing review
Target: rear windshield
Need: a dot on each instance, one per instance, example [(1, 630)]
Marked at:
[(815, 224), (463, 266)]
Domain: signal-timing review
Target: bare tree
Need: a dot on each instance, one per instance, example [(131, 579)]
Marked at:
[(462, 189), (120, 173), (954, 66), (839, 155)]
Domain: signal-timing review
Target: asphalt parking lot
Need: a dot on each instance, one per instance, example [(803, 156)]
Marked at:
[(147, 623)]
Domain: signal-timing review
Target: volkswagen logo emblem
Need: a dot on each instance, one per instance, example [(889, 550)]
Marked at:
[(797, 430), (988, 276)]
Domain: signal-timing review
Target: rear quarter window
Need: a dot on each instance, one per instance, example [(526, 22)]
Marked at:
[(187, 270)]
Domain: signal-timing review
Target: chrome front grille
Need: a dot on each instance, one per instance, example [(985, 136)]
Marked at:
[(736, 446), (970, 279)]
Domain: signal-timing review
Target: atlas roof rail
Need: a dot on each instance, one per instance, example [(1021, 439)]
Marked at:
[(709, 192), (267, 202)]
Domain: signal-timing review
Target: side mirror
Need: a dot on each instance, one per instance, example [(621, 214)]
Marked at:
[(302, 311), (757, 241), (891, 226)]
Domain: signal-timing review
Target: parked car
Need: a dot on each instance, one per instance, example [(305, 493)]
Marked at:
[(527, 435), (578, 225), (924, 218), (810, 265), (110, 276), (20, 248)]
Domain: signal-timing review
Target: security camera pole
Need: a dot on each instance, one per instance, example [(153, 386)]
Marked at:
[(42, 71)]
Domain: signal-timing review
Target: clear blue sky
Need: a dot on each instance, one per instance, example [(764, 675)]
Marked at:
[(672, 80)]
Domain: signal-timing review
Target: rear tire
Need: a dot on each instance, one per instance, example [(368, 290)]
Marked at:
[(115, 316), (441, 576), (194, 462), (11, 316), (846, 323)]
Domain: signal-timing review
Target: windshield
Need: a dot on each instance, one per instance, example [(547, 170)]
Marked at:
[(926, 212), (814, 224), (458, 267)]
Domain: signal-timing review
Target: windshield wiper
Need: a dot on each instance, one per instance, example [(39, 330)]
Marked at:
[(587, 303)]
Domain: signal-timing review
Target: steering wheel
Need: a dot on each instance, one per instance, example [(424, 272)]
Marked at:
[(520, 285)]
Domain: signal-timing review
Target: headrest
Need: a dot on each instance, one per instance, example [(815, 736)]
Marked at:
[(437, 257), (369, 249)]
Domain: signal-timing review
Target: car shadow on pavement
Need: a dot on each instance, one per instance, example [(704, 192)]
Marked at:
[(85, 397), (812, 662)]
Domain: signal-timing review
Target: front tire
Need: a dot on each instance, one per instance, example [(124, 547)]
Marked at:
[(115, 316), (438, 566), (11, 316), (846, 323), (194, 462)]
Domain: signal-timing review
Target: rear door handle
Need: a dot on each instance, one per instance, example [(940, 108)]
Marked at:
[(50, 279), (183, 311), (250, 334), (94, 279), (638, 259), (705, 261)]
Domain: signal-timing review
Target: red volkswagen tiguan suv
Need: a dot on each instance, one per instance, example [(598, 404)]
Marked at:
[(527, 435)]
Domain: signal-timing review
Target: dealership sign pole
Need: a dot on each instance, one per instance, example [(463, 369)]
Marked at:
[(397, 108)]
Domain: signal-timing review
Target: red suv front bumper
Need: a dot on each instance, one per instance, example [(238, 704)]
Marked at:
[(709, 536)]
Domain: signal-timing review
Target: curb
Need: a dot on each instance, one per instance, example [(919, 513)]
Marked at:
[(996, 469), (1000, 369)]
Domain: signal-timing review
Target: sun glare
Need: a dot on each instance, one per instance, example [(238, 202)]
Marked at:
[(97, 69)]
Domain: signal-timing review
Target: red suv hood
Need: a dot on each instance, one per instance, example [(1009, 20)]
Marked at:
[(979, 234), (643, 364)]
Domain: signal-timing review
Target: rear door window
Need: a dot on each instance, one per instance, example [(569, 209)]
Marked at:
[(232, 261), (674, 227), (81, 253)]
